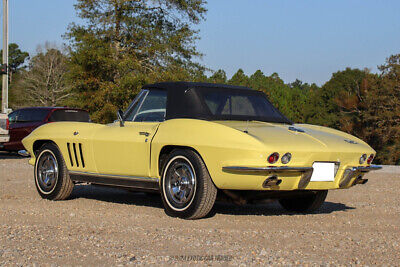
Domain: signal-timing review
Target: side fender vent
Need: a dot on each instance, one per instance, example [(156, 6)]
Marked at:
[(76, 153), (81, 153), (76, 156), (69, 154)]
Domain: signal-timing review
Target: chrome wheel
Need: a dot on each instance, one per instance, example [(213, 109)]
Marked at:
[(179, 183), (47, 172)]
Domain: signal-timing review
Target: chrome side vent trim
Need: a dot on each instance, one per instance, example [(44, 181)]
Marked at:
[(69, 154), (81, 153)]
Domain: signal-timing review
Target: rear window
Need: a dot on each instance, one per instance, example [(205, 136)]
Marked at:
[(70, 115), (241, 105), (32, 115)]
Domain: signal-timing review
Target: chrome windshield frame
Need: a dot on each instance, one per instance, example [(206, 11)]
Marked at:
[(135, 100)]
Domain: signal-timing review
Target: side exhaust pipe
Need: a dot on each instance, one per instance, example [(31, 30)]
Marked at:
[(272, 181)]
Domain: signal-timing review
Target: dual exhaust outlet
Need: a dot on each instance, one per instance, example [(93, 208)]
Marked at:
[(272, 181), (360, 180)]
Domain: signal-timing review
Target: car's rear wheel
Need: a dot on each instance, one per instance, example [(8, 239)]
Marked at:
[(51, 175), (186, 186), (310, 202)]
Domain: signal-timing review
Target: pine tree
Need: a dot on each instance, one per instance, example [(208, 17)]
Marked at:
[(124, 44)]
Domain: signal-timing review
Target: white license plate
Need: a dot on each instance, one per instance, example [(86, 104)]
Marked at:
[(323, 172)]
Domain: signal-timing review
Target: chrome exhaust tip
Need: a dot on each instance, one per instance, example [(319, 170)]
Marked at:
[(360, 180), (24, 153), (272, 181)]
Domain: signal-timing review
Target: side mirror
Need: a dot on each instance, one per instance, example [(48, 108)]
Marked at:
[(120, 116)]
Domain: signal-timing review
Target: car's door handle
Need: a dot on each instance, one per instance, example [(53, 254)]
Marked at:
[(144, 133)]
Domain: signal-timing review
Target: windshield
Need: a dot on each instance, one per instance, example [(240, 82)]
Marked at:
[(241, 105)]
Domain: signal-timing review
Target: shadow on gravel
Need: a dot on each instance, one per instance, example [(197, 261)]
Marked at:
[(116, 195), (7, 155), (273, 209), (121, 196)]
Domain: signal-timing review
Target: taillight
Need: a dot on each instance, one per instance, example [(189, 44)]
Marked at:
[(363, 158), (7, 124), (286, 158), (273, 157), (370, 159)]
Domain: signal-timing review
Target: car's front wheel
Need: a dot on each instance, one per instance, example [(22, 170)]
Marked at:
[(51, 175), (308, 203), (186, 186)]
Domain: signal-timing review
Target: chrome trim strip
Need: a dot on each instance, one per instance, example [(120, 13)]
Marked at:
[(141, 103), (133, 178), (24, 153), (138, 96), (367, 168), (267, 169)]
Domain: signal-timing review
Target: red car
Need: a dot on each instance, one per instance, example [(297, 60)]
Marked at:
[(24, 121)]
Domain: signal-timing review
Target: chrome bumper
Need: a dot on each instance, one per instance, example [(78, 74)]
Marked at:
[(306, 173), (291, 169), (266, 169), (24, 153), (366, 168), (350, 173)]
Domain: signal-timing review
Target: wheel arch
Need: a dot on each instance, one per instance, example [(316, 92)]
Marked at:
[(39, 143), (167, 149)]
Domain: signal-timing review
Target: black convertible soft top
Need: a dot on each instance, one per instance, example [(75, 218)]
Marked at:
[(208, 101)]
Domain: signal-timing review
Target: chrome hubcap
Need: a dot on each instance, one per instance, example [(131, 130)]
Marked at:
[(47, 171), (180, 183)]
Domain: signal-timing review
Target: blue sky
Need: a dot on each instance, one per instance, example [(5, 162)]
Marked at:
[(304, 39)]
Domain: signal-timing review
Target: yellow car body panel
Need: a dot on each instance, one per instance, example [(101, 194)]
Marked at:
[(134, 150)]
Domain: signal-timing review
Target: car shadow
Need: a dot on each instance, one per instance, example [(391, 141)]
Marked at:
[(8, 155), (116, 195), (273, 209), (122, 196)]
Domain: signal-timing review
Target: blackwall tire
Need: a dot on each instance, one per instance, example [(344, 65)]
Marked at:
[(51, 175), (305, 204), (186, 187)]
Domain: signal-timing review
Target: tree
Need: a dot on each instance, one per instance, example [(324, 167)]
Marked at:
[(44, 83), (381, 117), (124, 44), (16, 57), (239, 79), (338, 97), (16, 64), (218, 76)]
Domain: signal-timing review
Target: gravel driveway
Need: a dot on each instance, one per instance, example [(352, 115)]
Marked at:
[(102, 226)]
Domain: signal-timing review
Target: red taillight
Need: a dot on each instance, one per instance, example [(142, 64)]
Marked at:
[(273, 158), (7, 124), (370, 159)]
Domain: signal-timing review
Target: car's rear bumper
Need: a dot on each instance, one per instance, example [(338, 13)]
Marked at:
[(292, 178), (266, 169)]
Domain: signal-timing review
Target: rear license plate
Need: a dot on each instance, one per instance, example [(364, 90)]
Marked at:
[(323, 172)]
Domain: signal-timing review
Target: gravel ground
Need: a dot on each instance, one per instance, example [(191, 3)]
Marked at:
[(102, 226)]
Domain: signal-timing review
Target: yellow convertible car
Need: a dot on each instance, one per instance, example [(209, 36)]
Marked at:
[(190, 141)]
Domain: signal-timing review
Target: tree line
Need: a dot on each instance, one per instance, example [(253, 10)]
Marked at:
[(124, 44)]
